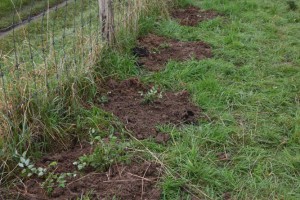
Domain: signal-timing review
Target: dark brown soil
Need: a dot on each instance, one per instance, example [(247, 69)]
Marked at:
[(227, 196), (66, 158), (126, 102), (192, 16), (155, 51), (222, 156), (134, 181)]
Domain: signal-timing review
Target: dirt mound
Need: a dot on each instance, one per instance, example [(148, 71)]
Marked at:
[(132, 181), (155, 51), (125, 100), (135, 181), (192, 16), (66, 158)]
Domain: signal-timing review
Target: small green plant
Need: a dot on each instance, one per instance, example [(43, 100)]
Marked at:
[(156, 50), (92, 133), (95, 135), (151, 95), (56, 180), (52, 179), (103, 99), (164, 45), (81, 163), (105, 154), (28, 168)]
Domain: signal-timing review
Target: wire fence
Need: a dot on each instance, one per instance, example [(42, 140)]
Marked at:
[(41, 52)]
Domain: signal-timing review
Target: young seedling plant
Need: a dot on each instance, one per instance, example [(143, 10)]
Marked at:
[(52, 179), (28, 168), (152, 95)]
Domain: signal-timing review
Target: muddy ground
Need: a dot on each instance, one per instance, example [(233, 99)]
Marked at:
[(155, 51), (192, 16), (123, 181), (125, 100)]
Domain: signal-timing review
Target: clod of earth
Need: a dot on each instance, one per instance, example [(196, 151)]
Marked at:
[(192, 16), (131, 181), (140, 51), (155, 51), (126, 102), (223, 156), (227, 196)]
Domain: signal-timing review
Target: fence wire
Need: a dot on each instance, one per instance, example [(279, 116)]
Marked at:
[(43, 50)]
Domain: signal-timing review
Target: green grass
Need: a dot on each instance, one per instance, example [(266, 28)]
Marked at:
[(249, 90), (23, 8)]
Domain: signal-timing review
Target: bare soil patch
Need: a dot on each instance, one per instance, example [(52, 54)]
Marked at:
[(192, 16), (155, 51), (126, 102), (66, 158), (122, 181)]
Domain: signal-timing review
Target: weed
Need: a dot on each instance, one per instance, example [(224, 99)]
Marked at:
[(56, 180), (103, 99), (105, 154), (152, 95), (28, 168), (81, 163), (52, 179), (164, 45)]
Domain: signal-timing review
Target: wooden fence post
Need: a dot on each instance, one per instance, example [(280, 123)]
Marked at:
[(111, 23), (106, 17)]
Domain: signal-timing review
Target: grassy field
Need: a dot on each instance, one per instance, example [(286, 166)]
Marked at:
[(24, 9), (250, 91)]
